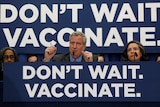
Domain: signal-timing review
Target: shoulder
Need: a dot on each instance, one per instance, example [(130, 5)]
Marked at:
[(95, 58), (61, 57)]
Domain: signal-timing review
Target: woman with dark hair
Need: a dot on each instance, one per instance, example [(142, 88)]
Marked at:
[(134, 51), (8, 54)]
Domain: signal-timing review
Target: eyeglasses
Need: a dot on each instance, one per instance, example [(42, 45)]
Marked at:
[(8, 56)]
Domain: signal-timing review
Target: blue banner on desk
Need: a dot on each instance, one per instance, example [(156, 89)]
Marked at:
[(85, 82)]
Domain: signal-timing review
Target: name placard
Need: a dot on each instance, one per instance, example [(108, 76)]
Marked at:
[(108, 81)]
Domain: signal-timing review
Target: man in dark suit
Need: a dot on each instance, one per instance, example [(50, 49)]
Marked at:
[(77, 53)]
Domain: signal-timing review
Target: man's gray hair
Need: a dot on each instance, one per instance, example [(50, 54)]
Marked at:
[(77, 33)]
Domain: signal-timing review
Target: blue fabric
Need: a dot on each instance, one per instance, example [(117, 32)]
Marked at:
[(75, 60)]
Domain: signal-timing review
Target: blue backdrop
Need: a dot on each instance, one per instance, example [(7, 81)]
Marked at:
[(108, 25)]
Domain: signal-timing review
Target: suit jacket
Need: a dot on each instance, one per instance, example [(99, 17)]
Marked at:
[(66, 58)]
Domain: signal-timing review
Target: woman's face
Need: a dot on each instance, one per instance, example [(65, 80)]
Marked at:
[(8, 56), (131, 50)]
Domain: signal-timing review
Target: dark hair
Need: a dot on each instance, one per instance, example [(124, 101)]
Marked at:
[(142, 50), (30, 55), (8, 48)]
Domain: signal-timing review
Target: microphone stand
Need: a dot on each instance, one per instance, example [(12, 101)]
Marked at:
[(135, 55)]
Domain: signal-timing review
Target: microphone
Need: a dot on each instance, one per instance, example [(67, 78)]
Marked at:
[(135, 55), (73, 53)]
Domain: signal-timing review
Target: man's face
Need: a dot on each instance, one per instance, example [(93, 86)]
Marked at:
[(76, 46)]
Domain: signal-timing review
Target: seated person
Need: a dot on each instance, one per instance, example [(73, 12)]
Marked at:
[(1, 71), (77, 53), (8, 54), (32, 58), (158, 59), (100, 58), (134, 51)]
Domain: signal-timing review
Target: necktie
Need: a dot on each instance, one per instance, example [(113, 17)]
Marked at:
[(74, 60)]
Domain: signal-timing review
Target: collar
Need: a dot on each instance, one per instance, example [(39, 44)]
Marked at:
[(75, 60)]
